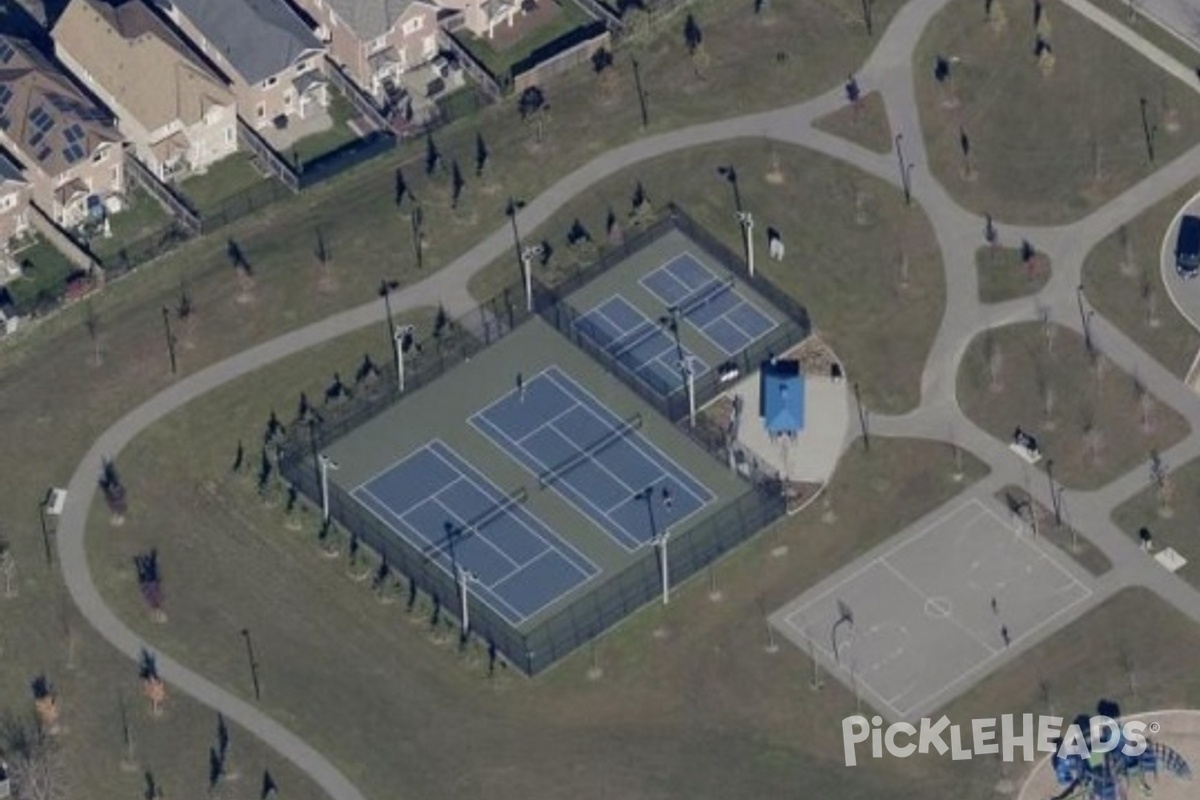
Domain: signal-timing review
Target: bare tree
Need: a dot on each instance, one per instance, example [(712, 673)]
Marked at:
[(114, 492), (1160, 478), (1049, 329), (1129, 267), (1145, 404), (35, 764), (1046, 394), (1149, 297)]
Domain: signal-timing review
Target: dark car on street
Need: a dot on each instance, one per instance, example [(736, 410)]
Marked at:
[(1187, 247)]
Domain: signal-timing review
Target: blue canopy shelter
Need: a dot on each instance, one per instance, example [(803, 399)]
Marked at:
[(781, 397)]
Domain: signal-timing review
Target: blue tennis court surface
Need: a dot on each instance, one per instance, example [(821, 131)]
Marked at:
[(442, 506), (638, 342), (714, 306), (593, 459)]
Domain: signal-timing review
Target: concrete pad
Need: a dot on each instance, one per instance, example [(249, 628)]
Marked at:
[(1170, 559), (917, 624), (812, 455)]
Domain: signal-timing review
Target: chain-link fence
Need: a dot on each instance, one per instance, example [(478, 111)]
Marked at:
[(606, 603)]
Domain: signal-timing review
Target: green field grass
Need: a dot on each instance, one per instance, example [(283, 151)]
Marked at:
[(864, 264), (1094, 430), (1043, 148), (1123, 281), (1003, 275), (1173, 518)]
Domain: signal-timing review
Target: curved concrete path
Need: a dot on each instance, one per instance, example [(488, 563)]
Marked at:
[(958, 234)]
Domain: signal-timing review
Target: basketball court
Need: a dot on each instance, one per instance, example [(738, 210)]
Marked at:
[(917, 624)]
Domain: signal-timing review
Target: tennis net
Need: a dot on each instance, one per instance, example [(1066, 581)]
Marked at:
[(455, 533), (635, 339), (705, 295), (620, 432)]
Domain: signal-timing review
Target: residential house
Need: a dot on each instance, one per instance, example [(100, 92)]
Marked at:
[(14, 204), (274, 61), (177, 111), (482, 17), (375, 41), (68, 145)]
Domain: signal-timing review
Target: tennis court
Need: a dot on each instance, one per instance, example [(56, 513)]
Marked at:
[(598, 463), (459, 519), (714, 306), (638, 342)]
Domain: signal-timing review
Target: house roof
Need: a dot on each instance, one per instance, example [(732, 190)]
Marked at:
[(781, 397), (370, 19), (138, 59), (259, 38), (49, 121)]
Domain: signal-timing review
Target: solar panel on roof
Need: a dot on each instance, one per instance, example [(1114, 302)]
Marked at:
[(6, 52), (74, 153), (44, 153), (36, 138), (74, 133), (5, 95)]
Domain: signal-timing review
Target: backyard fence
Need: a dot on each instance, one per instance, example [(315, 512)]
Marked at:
[(364, 104), (174, 205), (601, 606), (346, 157), (488, 83), (559, 55), (242, 204), (265, 155), (670, 399)]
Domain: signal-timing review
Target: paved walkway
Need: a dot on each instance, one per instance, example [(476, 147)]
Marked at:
[(958, 233)]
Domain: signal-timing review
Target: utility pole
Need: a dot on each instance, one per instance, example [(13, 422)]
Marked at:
[(1084, 321), (166, 315), (689, 377), (45, 531), (637, 80), (253, 663), (1148, 130), (1055, 497), (905, 170), (862, 418), (465, 577)]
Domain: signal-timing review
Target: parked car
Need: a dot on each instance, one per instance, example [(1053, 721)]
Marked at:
[(1187, 247)]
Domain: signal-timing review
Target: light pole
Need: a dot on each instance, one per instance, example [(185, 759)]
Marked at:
[(465, 577), (747, 221), (1055, 495), (327, 464), (385, 291), (45, 532), (253, 663), (527, 256), (166, 315), (688, 368), (905, 168), (660, 543), (398, 339), (637, 80), (1084, 319)]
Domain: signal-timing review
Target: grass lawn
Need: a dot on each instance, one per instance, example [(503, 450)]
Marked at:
[(1003, 275), (1148, 29), (1123, 281), (313, 147), (1043, 148), (45, 376), (1064, 537), (227, 177), (1113, 652), (843, 258), (527, 34), (1173, 524), (44, 273), (698, 710), (866, 125), (142, 217), (1094, 429)]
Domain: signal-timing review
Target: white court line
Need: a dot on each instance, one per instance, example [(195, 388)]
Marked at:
[(558, 545), (547, 423), (925, 599), (513, 616), (647, 447), (795, 619), (571, 498), (447, 543), (641, 328), (551, 601)]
